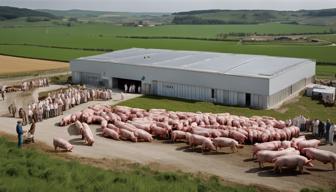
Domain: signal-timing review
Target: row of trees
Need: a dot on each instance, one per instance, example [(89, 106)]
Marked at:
[(193, 20), (241, 34)]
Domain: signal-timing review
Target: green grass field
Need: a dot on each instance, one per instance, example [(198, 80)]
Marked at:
[(30, 170), (304, 105), (330, 38), (104, 36), (96, 36), (165, 30), (326, 72)]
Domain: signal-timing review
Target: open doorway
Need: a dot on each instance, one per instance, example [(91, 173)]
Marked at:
[(119, 83), (248, 99)]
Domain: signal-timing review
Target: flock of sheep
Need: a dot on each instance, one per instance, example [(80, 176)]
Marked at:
[(273, 140)]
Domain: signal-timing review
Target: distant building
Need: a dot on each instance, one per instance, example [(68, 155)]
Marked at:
[(231, 79)]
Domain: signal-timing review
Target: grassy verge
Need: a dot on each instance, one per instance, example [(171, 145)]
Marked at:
[(60, 79), (31, 170), (302, 105)]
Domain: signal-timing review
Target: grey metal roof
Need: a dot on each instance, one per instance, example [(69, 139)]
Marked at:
[(222, 63)]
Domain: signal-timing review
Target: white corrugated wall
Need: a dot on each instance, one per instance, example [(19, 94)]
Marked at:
[(170, 89)]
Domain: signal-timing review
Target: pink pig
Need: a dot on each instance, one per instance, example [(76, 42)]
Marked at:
[(292, 162), (296, 140), (62, 143), (79, 127), (286, 144), (65, 120), (143, 135), (220, 142), (272, 146), (127, 135), (268, 156), (110, 133), (103, 124), (178, 135), (73, 118), (159, 131), (88, 136), (208, 145), (113, 127), (321, 155), (238, 136), (314, 143), (195, 140), (126, 126)]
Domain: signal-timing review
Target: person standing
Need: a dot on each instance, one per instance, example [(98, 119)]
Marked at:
[(47, 109), (32, 131), (332, 134), (315, 127), (3, 95), (327, 129), (19, 132), (56, 109), (122, 97), (51, 115), (30, 114), (60, 106), (35, 114), (320, 129), (289, 122), (302, 121), (126, 88)]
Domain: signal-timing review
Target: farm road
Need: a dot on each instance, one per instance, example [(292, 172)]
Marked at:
[(231, 167)]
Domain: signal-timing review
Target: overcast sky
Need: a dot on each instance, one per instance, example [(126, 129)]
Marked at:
[(170, 5)]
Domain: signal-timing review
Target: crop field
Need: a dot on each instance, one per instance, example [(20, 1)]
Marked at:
[(44, 53), (63, 43), (330, 38), (10, 65), (326, 71), (169, 30), (31, 170), (302, 106)]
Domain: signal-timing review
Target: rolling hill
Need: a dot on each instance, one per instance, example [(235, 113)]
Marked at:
[(7, 13), (111, 17), (314, 17)]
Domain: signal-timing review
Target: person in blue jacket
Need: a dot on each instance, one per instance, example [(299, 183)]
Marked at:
[(19, 131)]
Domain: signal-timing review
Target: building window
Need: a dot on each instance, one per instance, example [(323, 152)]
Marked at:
[(212, 93), (169, 86)]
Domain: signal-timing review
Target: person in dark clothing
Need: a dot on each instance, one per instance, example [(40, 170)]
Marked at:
[(328, 125), (19, 132), (321, 129), (3, 95)]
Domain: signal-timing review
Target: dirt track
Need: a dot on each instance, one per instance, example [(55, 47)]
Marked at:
[(236, 167), (10, 64)]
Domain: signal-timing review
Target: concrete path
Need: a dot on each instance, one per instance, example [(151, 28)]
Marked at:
[(231, 167)]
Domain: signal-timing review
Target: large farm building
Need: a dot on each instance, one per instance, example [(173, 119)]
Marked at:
[(230, 79)]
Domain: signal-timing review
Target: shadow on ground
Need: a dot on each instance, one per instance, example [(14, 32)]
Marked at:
[(77, 141), (72, 130)]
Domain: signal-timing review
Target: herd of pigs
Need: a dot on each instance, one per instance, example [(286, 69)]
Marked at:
[(274, 141)]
